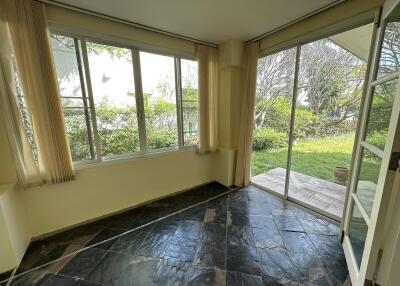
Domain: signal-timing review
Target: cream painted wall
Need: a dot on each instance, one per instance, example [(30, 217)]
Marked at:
[(230, 63), (109, 188), (14, 233)]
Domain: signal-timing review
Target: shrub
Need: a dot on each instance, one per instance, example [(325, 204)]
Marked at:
[(378, 139), (268, 138), (161, 139)]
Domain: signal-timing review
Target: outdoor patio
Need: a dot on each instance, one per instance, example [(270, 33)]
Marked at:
[(321, 194)]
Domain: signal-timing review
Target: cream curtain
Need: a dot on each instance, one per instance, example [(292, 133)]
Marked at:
[(27, 170), (27, 25), (208, 91), (242, 173)]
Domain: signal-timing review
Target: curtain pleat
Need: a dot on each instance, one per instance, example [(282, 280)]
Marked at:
[(250, 58), (27, 170), (31, 45), (208, 92)]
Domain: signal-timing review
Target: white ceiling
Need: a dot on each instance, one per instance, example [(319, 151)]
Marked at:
[(214, 21)]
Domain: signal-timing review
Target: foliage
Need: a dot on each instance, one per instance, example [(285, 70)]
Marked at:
[(328, 95), (313, 157), (161, 139), (268, 138)]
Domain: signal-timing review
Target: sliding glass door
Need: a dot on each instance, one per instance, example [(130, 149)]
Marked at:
[(306, 114), (275, 80)]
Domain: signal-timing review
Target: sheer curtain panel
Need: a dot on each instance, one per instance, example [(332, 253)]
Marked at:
[(208, 92), (242, 173), (27, 24)]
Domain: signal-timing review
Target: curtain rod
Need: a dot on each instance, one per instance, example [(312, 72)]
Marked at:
[(326, 7), (130, 23)]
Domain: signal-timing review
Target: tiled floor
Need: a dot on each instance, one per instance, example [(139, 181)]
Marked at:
[(322, 194), (247, 237)]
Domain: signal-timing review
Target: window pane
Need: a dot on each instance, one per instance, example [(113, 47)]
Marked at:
[(274, 92), (111, 73), (358, 230), (190, 94), (390, 53), (159, 95), (380, 112), (367, 179), (77, 118)]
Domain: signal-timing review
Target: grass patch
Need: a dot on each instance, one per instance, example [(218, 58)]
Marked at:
[(314, 157)]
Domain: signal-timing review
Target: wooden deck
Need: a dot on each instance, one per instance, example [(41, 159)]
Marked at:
[(326, 196)]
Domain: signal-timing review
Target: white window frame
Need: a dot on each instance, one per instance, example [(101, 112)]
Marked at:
[(86, 87)]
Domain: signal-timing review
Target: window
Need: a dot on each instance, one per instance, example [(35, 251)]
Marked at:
[(118, 100), (159, 96), (190, 94)]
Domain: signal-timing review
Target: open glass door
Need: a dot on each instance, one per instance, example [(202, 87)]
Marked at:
[(372, 179)]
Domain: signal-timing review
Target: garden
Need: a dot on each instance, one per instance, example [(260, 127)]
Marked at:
[(326, 112)]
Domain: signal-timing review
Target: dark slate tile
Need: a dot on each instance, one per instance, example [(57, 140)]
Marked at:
[(336, 267), (155, 245), (242, 279), (35, 278), (268, 238), (210, 255), (124, 220), (129, 242), (99, 241), (189, 229), (124, 269), (213, 232), (194, 214), (276, 263), (87, 283), (142, 223), (279, 281), (260, 221), (199, 276), (238, 196), (40, 276), (182, 249), (319, 226), (166, 228), (290, 223), (242, 259), (41, 252), (58, 280), (170, 273), (218, 203), (82, 263), (215, 215), (240, 236), (6, 275), (297, 242), (326, 245), (238, 219), (309, 269), (259, 196), (263, 209), (83, 234)]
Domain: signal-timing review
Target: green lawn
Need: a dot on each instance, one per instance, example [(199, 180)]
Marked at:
[(314, 157)]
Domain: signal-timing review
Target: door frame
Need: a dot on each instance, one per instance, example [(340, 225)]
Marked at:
[(361, 20), (373, 243)]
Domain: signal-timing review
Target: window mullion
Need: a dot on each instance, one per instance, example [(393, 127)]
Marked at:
[(178, 89), (139, 100), (84, 96), (90, 96)]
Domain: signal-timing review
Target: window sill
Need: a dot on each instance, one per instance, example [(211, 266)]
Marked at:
[(131, 157)]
